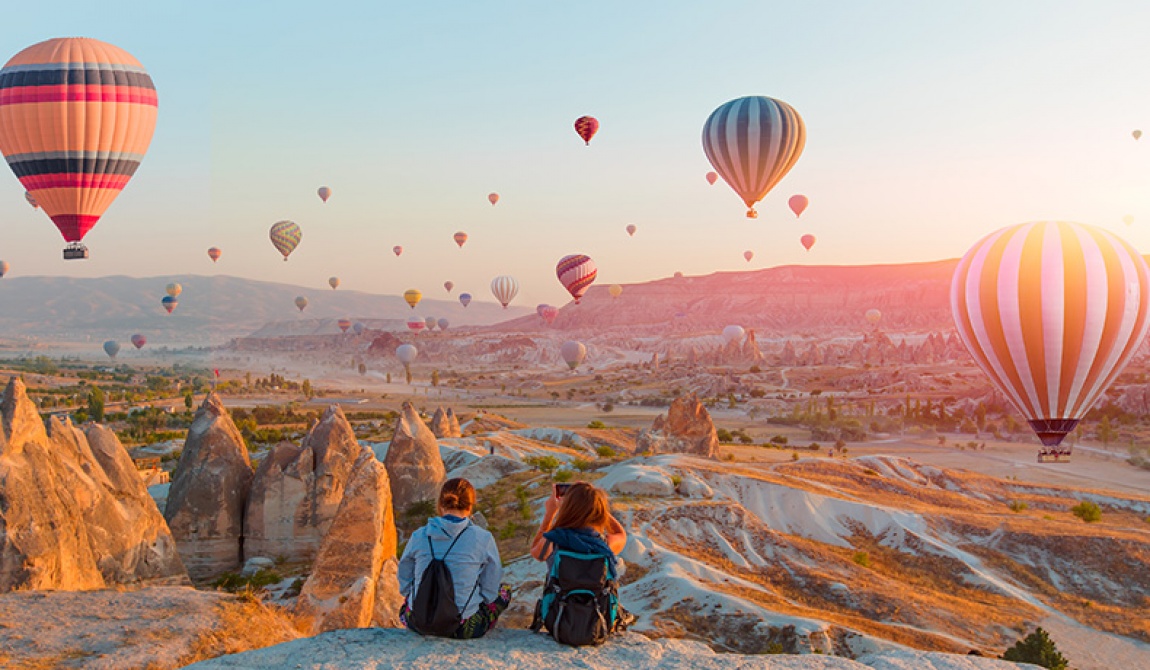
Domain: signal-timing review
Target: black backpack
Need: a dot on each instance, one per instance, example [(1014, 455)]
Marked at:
[(580, 603), (433, 611)]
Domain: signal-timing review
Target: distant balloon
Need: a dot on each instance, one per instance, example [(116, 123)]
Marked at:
[(174, 289), (460, 238), (549, 314), (734, 333), (430, 322), (214, 254), (4, 268), (492, 198), (324, 193), (300, 302), (31, 200), (631, 229), (712, 177), (504, 288), (798, 204), (112, 347), (333, 282), (753, 143), (448, 285), (416, 324), (412, 297), (808, 241), (573, 353), (748, 254), (138, 341), (679, 275), (169, 303), (465, 299), (397, 249), (406, 354), (576, 272), (344, 325), (358, 328), (443, 324), (1137, 134), (586, 126), (615, 290), (285, 237), (873, 315), (1128, 219)]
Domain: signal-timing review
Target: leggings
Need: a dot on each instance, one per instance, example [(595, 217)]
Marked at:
[(479, 623)]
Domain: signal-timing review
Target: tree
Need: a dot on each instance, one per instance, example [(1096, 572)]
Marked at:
[(435, 377), (306, 389), (1106, 432), (189, 401), (1039, 649), (96, 404)]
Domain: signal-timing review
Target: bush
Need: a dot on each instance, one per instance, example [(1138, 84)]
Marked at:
[(1018, 506), (779, 439), (603, 451), (676, 480), (596, 425), (423, 509), (862, 558), (547, 464), (1087, 511), (233, 582), (562, 476), (723, 434), (581, 465), (1039, 649)]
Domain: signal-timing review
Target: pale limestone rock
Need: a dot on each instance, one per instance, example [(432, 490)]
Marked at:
[(637, 480), (444, 424), (686, 428), (413, 461)]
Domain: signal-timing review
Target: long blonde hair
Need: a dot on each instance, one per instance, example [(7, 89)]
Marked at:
[(583, 506)]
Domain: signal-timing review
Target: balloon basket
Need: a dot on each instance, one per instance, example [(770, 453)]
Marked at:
[(75, 251), (752, 214), (1056, 455)]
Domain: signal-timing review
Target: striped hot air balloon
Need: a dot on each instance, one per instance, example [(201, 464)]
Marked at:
[(138, 341), (753, 143), (504, 288), (587, 126), (343, 324), (461, 238), (76, 118), (324, 193), (214, 254), (1052, 312), (285, 237), (576, 272)]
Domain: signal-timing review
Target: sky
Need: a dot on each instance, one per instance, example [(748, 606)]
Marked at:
[(929, 125)]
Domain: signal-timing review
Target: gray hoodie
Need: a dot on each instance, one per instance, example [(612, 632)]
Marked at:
[(474, 562)]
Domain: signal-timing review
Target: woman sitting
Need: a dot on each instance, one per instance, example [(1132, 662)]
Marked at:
[(473, 571)]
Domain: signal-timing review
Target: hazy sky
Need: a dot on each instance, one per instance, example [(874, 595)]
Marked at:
[(929, 124)]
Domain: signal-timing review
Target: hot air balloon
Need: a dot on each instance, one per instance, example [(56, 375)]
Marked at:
[(1128, 219), (333, 282), (138, 341), (31, 200), (573, 353), (416, 324), (504, 288), (807, 241), (412, 297), (753, 143), (492, 198), (448, 285), (169, 303), (734, 333), (798, 204), (615, 290), (358, 328), (576, 272), (549, 314), (748, 255), (539, 308), (112, 347), (631, 229), (406, 354), (4, 268), (214, 254), (430, 321), (343, 324), (443, 324), (397, 250), (285, 237), (460, 238), (465, 299), (174, 289), (712, 177), (300, 302), (1052, 312), (587, 126), (324, 193), (678, 275), (76, 118), (1137, 134), (873, 315)]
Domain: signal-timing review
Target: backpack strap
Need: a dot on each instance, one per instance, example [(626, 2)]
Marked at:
[(450, 547)]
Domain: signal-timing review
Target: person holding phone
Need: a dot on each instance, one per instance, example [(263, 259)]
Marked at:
[(577, 517)]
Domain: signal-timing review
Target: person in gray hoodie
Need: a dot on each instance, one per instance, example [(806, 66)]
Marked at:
[(476, 571)]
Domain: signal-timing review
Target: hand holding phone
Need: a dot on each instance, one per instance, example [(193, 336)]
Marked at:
[(561, 488)]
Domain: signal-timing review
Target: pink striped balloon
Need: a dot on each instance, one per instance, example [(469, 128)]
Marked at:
[(576, 272)]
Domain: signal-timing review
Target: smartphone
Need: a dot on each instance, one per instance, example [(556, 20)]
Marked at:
[(561, 489)]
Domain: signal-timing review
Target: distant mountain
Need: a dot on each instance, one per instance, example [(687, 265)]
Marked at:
[(211, 309)]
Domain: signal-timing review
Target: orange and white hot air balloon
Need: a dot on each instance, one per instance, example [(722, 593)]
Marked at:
[(76, 118), (1052, 312), (214, 254), (460, 238)]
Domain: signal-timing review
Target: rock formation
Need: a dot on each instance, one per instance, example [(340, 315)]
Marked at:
[(74, 515), (353, 581), (297, 490), (209, 492), (413, 462), (444, 423), (686, 428), (456, 429)]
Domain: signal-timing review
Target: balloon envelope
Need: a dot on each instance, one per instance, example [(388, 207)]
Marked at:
[(615, 290), (324, 193), (798, 204), (406, 353), (1137, 134), (111, 347), (549, 314), (138, 341), (753, 143), (1052, 312), (174, 289), (4, 268), (416, 324), (430, 322), (460, 238), (214, 254), (712, 177), (448, 285), (465, 299), (397, 249), (873, 315), (344, 324), (358, 328), (573, 353), (301, 302), (443, 324), (586, 127), (31, 200), (169, 303), (492, 198), (504, 288), (807, 241), (412, 297), (285, 236), (333, 282), (576, 272), (1128, 219), (734, 333), (748, 255), (631, 229)]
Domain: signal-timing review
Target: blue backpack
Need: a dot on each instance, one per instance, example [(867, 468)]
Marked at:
[(580, 603)]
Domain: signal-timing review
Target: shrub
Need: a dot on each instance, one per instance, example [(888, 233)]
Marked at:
[(862, 558), (603, 451), (1039, 649), (871, 473), (596, 425), (1018, 506), (524, 504), (581, 465), (676, 480), (779, 439), (1087, 511), (723, 434), (562, 476), (547, 464), (794, 455), (233, 582), (422, 509)]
